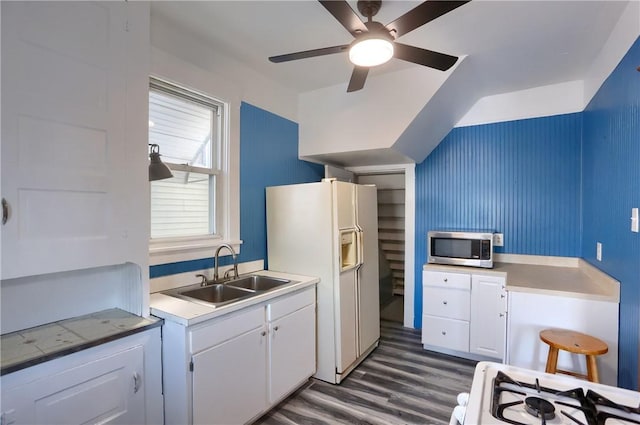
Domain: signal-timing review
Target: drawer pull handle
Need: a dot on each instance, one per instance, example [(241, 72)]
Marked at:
[(5, 211), (444, 333), (444, 302)]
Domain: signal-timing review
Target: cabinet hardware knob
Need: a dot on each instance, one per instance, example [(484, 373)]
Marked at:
[(444, 333), (5, 211), (263, 333), (501, 314), (502, 296), (137, 382), (444, 302), (446, 280), (276, 328)]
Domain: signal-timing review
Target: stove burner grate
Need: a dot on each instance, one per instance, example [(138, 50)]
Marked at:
[(539, 407)]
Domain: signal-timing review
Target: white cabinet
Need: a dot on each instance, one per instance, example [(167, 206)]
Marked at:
[(445, 321), (105, 384), (464, 313), (488, 322), (292, 351), (230, 380), (232, 369), (74, 80)]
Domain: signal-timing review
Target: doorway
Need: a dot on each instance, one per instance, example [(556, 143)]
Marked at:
[(396, 231)]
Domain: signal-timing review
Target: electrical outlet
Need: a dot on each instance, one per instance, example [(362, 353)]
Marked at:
[(598, 251), (498, 239)]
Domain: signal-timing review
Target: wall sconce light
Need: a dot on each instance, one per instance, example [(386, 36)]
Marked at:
[(157, 169)]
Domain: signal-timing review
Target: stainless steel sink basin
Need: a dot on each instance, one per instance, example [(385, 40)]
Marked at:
[(230, 291), (217, 293), (257, 282)]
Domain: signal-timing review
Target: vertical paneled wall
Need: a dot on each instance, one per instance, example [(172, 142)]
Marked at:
[(520, 178), (611, 187), (268, 157)]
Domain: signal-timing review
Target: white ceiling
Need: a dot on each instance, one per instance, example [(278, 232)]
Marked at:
[(514, 44)]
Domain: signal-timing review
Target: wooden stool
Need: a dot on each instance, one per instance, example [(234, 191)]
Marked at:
[(573, 342)]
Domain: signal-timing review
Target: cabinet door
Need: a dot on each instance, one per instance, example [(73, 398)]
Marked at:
[(64, 143), (230, 380), (107, 391), (488, 316), (293, 351)]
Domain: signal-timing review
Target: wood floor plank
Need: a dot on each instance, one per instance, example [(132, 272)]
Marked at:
[(399, 383)]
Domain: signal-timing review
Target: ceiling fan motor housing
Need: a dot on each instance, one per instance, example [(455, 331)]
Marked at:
[(369, 8)]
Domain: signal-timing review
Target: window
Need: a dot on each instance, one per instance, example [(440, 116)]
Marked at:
[(189, 129)]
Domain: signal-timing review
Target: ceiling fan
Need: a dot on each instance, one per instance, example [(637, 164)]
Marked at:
[(375, 43)]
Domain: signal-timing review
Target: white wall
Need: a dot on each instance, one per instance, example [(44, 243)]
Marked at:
[(248, 85), (549, 100), (620, 41), (332, 120)]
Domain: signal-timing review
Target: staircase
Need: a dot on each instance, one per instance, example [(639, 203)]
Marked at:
[(391, 199)]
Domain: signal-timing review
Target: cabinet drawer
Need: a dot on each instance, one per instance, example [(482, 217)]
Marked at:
[(226, 328), (460, 281), (446, 302), (291, 303), (447, 333)]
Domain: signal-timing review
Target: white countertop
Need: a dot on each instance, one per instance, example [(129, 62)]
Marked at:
[(189, 313), (579, 280)]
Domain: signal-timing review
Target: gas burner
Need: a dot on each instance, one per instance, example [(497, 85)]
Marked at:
[(539, 407)]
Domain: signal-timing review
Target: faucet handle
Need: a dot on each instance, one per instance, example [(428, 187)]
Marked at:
[(227, 273), (204, 280)]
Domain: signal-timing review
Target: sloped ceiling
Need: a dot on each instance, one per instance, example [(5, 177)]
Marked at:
[(504, 46)]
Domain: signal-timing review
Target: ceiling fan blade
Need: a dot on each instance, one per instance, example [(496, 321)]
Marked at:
[(309, 53), (420, 15), (344, 14), (358, 78), (424, 57)]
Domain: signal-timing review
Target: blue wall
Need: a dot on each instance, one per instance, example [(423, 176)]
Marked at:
[(268, 157), (521, 178), (611, 187)]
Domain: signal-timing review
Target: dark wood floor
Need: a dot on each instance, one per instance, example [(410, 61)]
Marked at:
[(399, 383)]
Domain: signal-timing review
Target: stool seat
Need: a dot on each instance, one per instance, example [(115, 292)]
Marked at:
[(573, 342)]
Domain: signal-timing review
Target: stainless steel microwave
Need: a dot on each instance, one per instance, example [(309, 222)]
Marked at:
[(460, 248)]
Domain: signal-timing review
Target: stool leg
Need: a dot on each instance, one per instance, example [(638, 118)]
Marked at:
[(592, 369), (552, 360)]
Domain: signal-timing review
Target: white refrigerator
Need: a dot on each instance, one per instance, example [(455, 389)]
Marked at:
[(329, 229)]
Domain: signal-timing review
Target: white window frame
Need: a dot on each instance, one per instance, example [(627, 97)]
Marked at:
[(171, 250)]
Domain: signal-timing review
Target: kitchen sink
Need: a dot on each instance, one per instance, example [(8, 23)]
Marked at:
[(233, 290), (217, 293), (257, 283)]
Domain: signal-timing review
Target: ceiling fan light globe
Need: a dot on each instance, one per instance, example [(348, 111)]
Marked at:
[(371, 52)]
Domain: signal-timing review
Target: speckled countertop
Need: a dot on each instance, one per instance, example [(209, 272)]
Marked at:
[(581, 280), (31, 346)]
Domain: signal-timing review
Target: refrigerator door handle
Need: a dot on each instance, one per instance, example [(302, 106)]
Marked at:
[(360, 250)]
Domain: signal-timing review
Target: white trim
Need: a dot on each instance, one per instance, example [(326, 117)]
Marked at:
[(164, 252), (164, 283), (409, 229)]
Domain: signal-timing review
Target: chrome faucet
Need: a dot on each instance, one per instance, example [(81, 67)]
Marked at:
[(233, 256)]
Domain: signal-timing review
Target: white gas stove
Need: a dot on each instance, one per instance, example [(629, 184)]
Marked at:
[(507, 394)]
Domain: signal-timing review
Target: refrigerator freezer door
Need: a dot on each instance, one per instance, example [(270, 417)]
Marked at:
[(368, 274), (346, 349), (344, 200)]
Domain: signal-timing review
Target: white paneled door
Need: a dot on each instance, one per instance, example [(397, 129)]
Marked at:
[(64, 115)]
